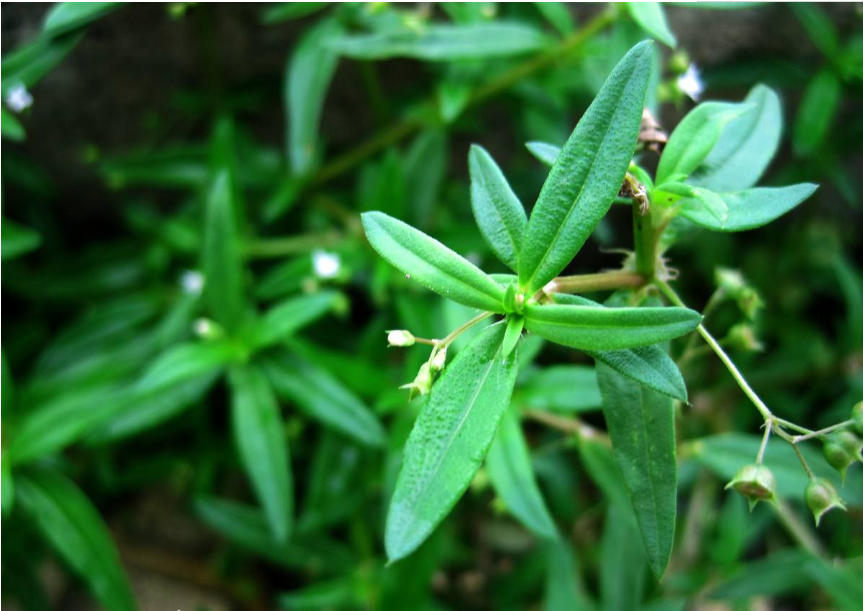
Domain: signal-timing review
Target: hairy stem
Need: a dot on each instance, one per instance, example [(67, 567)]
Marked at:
[(587, 283), (823, 431), (571, 426)]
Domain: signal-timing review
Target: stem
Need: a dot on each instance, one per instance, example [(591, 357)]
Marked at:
[(341, 164), (645, 242), (790, 425), (440, 344), (768, 428), (587, 283), (726, 360), (798, 530), (823, 431), (571, 426), (279, 247)]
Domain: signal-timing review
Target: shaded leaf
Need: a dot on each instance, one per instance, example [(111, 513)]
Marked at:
[(285, 318), (751, 208), (17, 240), (186, 362), (545, 152), (570, 388), (816, 112), (67, 16), (651, 17)]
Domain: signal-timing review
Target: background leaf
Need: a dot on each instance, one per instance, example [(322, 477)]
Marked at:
[(651, 17)]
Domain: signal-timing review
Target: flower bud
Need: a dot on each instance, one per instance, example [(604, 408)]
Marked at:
[(400, 338), (755, 483), (821, 497), (439, 360), (857, 418), (742, 336), (422, 383), (842, 449)]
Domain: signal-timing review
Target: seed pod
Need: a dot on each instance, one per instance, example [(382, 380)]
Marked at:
[(422, 383), (821, 497), (857, 417), (842, 449), (755, 483)]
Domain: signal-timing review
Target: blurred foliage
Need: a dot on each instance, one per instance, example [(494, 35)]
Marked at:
[(227, 345)]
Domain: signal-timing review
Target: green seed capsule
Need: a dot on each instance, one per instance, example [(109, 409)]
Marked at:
[(857, 417), (821, 497), (842, 449), (755, 483)]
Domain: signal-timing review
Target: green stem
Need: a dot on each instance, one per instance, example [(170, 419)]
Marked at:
[(279, 247), (341, 164), (768, 428), (587, 283), (442, 344), (645, 242), (726, 360), (798, 530), (823, 431)]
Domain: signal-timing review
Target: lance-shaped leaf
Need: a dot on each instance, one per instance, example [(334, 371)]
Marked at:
[(511, 472), (651, 17), (817, 111), (694, 137), (222, 262), (689, 198), (641, 426), (67, 16), (498, 211), (323, 397), (443, 42), (449, 440), (623, 564), (648, 365), (283, 319), (432, 264), (751, 208), (260, 437), (746, 146), (75, 529), (588, 172), (307, 78), (187, 362), (545, 152), (592, 328)]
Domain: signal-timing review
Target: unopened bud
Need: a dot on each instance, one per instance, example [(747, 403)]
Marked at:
[(400, 338), (842, 449), (206, 328), (742, 337), (439, 360), (755, 483), (821, 497)]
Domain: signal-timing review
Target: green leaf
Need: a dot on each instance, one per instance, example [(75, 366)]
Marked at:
[(27, 65), (623, 565), (511, 472), (563, 591), (286, 11), (7, 486), (339, 593), (746, 146), (751, 208), (641, 426), (842, 583), (323, 398), (592, 328), (649, 366), (222, 261), (449, 440), (651, 17), (67, 16), (558, 15), (781, 573), (64, 419), (819, 28), (12, 128), (444, 42), (694, 138), (263, 445), (284, 319), (545, 152), (816, 112), (691, 199), (16, 240), (187, 362), (514, 325), (725, 454), (75, 529), (588, 172), (567, 388), (307, 79), (425, 164), (497, 210), (431, 264)]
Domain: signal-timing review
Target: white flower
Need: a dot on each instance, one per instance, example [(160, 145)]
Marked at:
[(400, 338), (690, 83), (192, 282), (203, 327), (326, 264), (18, 98)]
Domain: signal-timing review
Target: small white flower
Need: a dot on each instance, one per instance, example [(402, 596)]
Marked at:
[(439, 360), (203, 327), (192, 282), (18, 98), (400, 338), (326, 264), (690, 83)]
